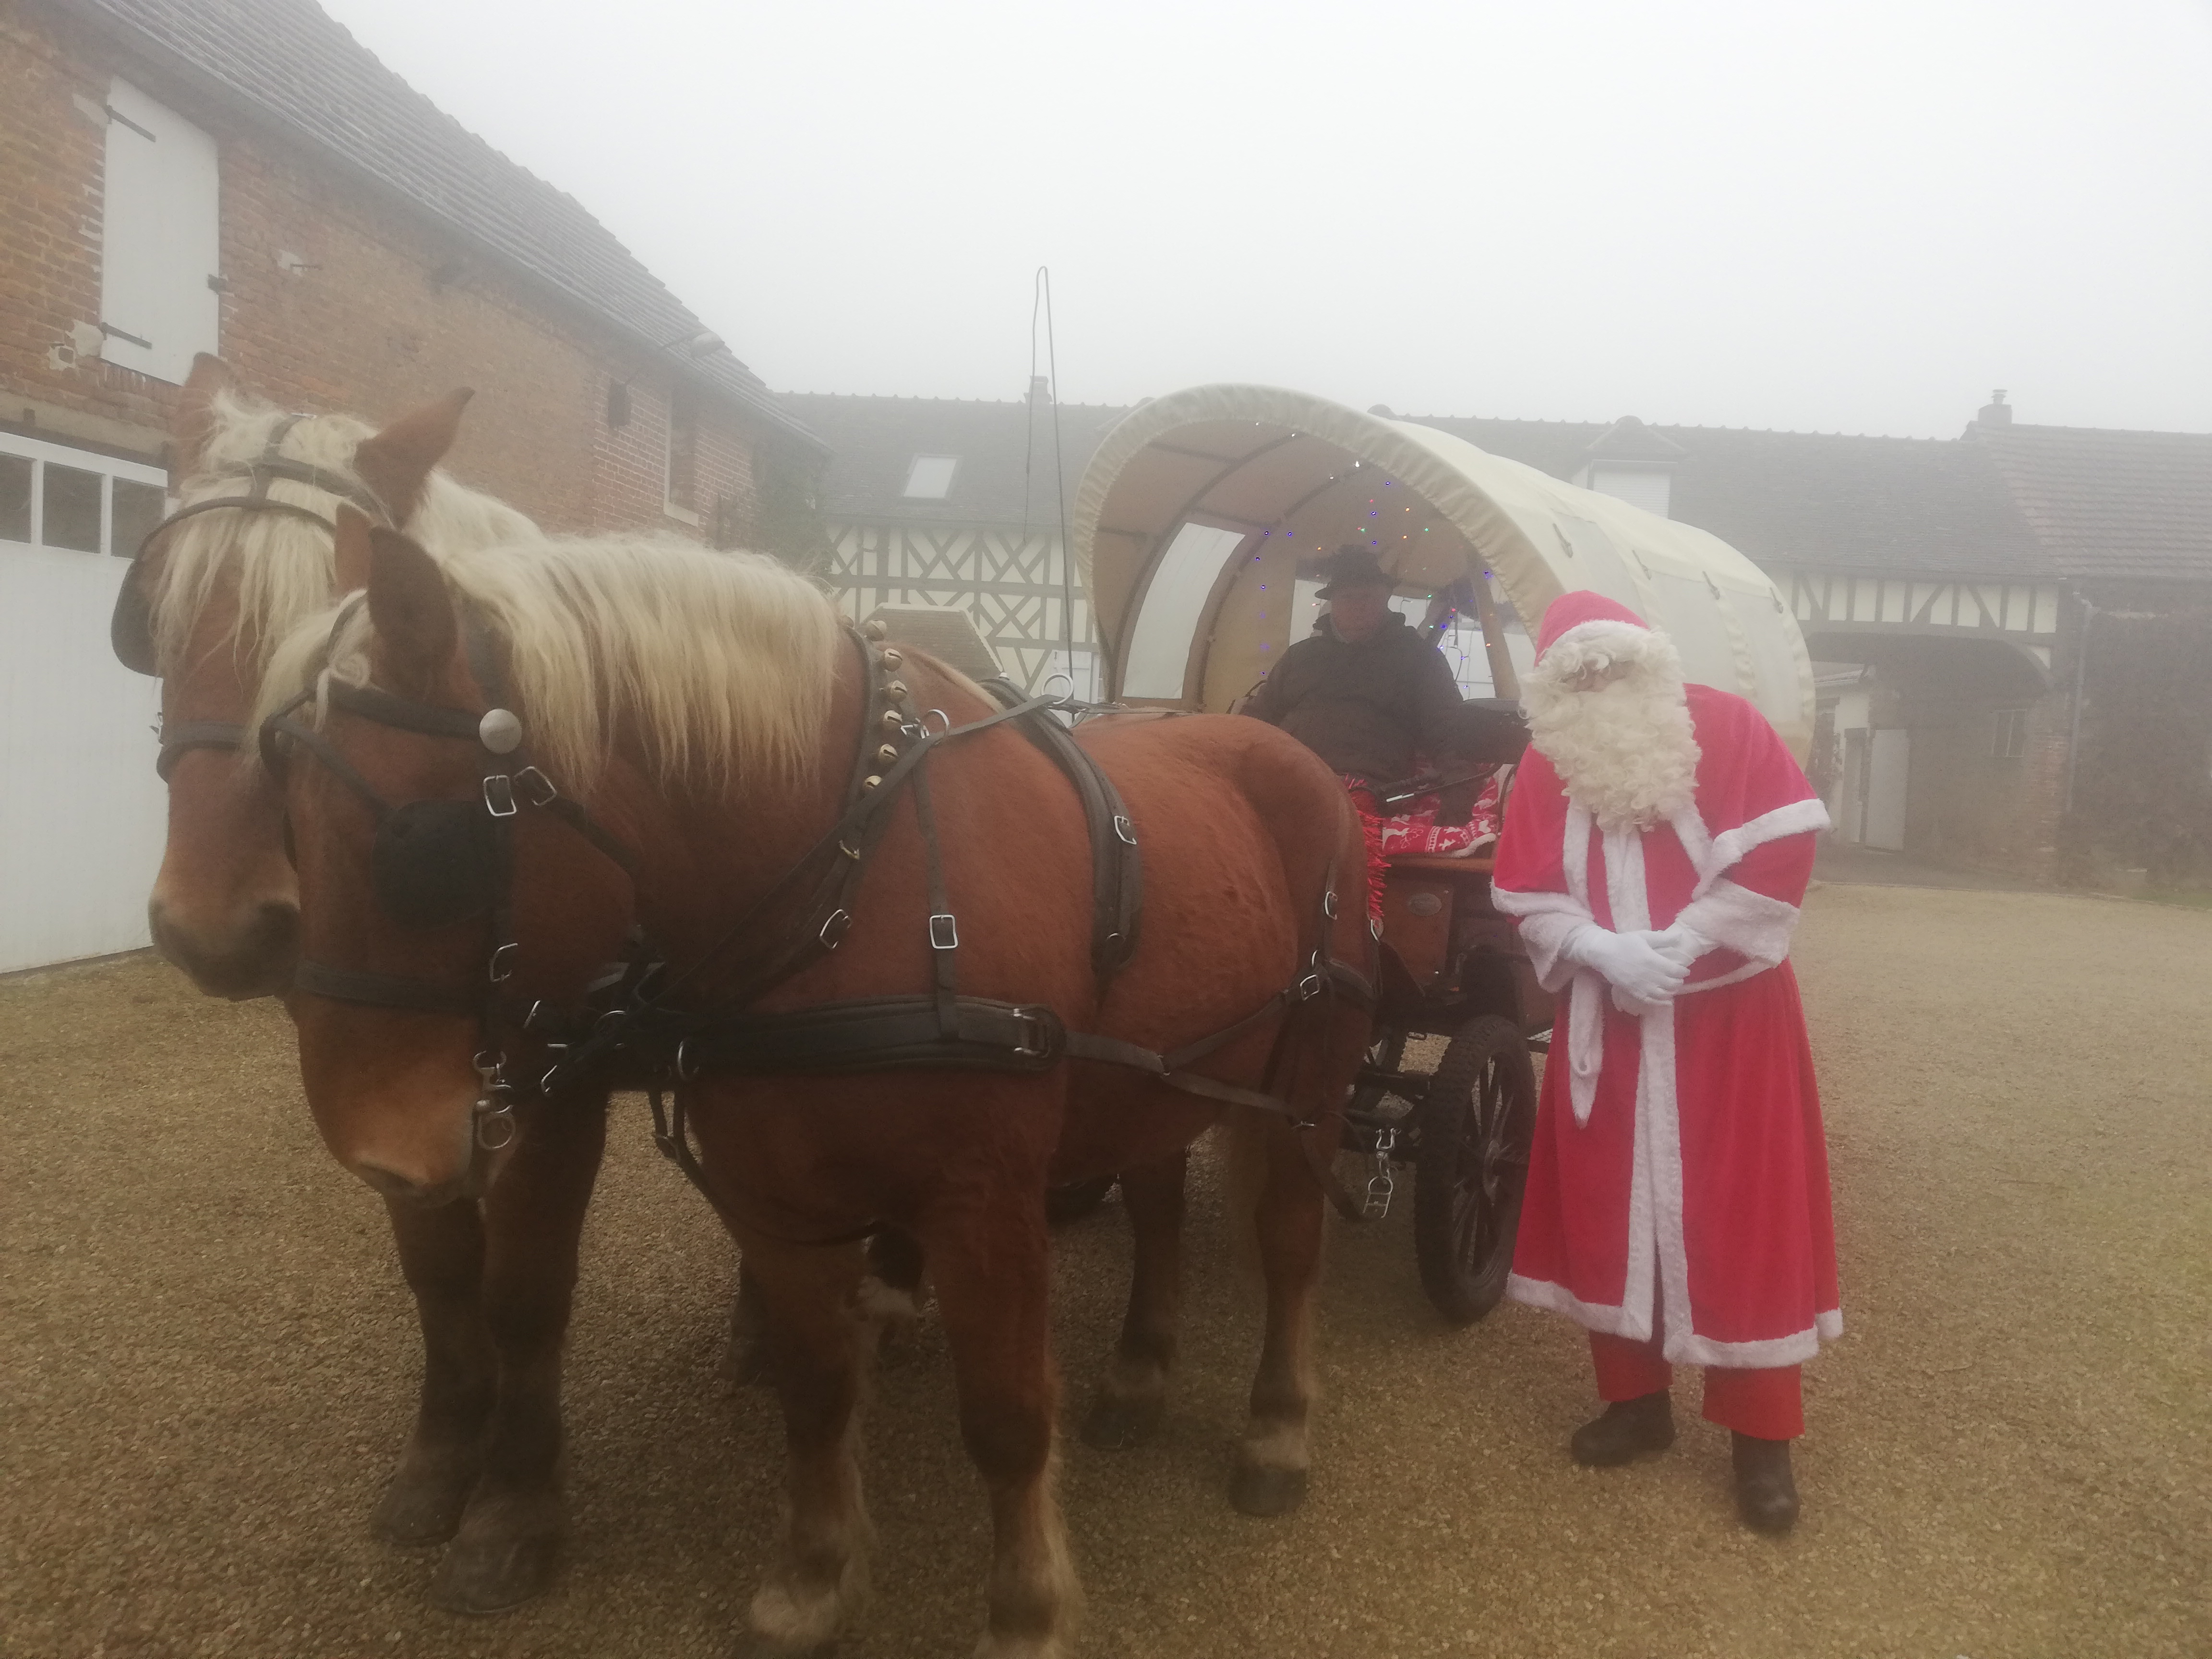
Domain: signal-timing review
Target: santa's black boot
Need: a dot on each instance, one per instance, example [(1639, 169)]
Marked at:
[(1626, 1428), (1765, 1491)]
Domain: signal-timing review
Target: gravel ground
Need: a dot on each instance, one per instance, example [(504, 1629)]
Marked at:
[(207, 1362)]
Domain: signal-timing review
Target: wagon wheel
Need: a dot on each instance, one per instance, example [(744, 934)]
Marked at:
[(1477, 1121), (1076, 1199)]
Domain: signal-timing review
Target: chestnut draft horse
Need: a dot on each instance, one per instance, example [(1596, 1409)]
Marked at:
[(664, 736), (247, 555)]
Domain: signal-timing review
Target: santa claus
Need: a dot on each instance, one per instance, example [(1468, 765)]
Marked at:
[(1655, 852)]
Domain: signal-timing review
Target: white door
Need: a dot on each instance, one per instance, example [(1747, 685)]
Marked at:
[(1885, 795), (81, 814)]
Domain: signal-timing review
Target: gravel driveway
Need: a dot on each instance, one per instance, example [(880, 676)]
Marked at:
[(207, 1361)]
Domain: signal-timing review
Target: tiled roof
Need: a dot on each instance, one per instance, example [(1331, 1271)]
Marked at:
[(287, 63), (1004, 474), (1811, 498), (2029, 503), (2120, 506)]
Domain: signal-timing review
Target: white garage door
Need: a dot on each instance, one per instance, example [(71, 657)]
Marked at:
[(81, 814)]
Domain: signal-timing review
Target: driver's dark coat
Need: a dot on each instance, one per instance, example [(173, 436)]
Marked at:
[(1366, 709)]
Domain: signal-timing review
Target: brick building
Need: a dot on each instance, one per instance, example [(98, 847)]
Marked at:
[(242, 177), (1945, 587)]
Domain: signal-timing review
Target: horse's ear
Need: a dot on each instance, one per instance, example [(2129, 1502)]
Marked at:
[(193, 422), (397, 461), (355, 551), (413, 614)]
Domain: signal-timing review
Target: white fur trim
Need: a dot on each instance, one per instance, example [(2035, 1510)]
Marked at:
[(1609, 629), (1594, 1315), (1799, 817), (1791, 1350), (1750, 924)]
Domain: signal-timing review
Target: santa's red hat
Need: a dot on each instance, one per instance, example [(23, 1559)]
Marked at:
[(1573, 610)]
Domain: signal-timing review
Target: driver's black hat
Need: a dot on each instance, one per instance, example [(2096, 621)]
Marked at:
[(1354, 565)]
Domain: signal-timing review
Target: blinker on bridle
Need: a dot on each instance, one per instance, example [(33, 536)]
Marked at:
[(130, 628), (442, 861)]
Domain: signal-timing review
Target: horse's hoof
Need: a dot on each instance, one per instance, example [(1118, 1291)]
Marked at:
[(1116, 1425), (500, 1560), (1268, 1492), (424, 1503)]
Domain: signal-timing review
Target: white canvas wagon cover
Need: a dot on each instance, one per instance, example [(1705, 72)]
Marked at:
[(1200, 510)]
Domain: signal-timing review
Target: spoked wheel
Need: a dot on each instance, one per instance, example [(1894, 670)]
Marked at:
[(1477, 1121)]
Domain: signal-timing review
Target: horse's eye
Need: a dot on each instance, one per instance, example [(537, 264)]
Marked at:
[(433, 861)]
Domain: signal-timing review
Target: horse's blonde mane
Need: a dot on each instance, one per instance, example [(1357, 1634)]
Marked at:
[(721, 664), (284, 564)]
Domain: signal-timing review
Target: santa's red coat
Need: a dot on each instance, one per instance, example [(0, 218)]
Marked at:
[(1680, 1185)]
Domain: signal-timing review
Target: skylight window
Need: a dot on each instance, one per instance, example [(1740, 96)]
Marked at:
[(930, 477)]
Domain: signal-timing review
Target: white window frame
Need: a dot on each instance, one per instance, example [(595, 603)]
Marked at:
[(908, 492), (40, 453)]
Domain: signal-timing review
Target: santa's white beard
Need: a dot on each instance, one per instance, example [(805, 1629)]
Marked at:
[(1627, 750)]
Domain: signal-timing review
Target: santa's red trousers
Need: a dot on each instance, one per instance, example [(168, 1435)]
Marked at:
[(1768, 1403)]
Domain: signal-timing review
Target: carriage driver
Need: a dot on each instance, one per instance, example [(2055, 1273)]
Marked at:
[(1366, 692)]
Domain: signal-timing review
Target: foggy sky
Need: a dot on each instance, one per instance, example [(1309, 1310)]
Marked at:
[(1825, 217)]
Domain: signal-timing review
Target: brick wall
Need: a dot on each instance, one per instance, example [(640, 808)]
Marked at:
[(339, 298)]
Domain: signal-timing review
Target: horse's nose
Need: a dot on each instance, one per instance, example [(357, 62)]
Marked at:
[(410, 1189), (252, 958)]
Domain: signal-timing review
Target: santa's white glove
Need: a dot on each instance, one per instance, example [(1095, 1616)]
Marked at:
[(1642, 976), (1679, 944)]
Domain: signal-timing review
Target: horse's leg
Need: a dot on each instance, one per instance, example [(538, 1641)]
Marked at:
[(1271, 1463), (441, 1257), (992, 1275), (534, 1215), (745, 1358), (1133, 1396), (807, 1296)]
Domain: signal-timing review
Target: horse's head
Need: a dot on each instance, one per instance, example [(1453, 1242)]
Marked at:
[(202, 606), (442, 889)]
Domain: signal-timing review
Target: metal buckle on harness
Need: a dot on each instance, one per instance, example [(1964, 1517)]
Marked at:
[(502, 961), (543, 790), (495, 1128), (1382, 1184), (946, 936), (499, 795), (1312, 983), (1124, 831), (682, 1066), (1037, 1033), (1329, 904), (833, 930)]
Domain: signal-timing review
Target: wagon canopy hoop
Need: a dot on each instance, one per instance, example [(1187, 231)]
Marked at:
[(1276, 463)]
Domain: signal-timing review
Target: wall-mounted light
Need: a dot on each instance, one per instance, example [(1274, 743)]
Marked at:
[(692, 346)]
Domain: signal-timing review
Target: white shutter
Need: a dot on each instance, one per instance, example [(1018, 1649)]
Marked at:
[(161, 238)]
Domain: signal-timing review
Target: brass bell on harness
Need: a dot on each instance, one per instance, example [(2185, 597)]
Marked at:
[(870, 781), (895, 689), (888, 754), (892, 658), (876, 628), (893, 720)]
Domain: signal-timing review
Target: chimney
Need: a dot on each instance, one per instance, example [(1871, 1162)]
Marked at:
[(1996, 412), (1040, 390)]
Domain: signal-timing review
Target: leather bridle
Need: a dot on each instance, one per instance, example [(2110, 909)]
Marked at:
[(130, 628)]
